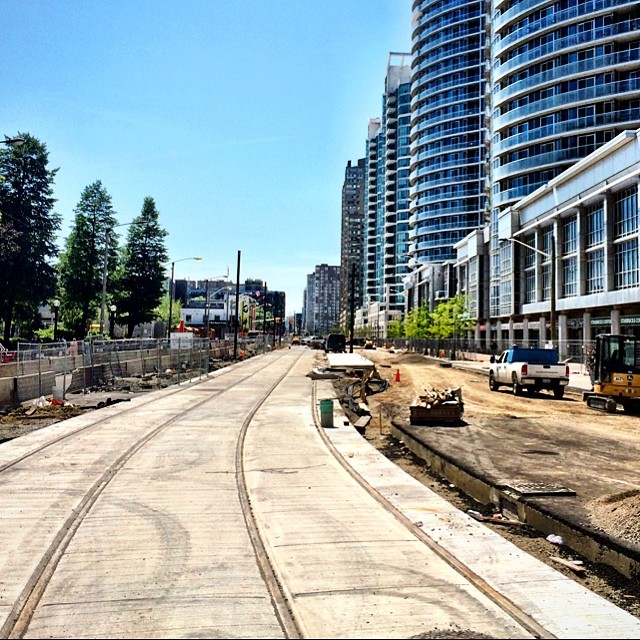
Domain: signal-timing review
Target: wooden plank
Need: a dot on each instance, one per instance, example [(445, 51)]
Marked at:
[(567, 563)]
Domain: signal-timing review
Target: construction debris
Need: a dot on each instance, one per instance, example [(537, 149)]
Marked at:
[(574, 565), (437, 406), (436, 397), (496, 518)]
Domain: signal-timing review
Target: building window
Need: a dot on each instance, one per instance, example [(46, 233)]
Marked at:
[(595, 225), (569, 257), (546, 281), (570, 276), (530, 253), (570, 235), (529, 286), (626, 212), (626, 264), (595, 271), (495, 300)]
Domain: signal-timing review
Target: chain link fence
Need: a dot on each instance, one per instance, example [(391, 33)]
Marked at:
[(58, 368)]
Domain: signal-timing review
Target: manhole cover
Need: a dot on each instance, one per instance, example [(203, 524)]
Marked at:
[(539, 489)]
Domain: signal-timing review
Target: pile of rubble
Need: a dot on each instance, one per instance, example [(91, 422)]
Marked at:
[(437, 406), (436, 397)]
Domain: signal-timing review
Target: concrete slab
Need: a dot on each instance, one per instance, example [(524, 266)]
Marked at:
[(349, 361)]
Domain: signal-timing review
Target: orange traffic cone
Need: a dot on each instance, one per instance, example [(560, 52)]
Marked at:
[(397, 375)]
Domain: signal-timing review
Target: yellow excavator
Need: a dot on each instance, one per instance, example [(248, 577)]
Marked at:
[(614, 367)]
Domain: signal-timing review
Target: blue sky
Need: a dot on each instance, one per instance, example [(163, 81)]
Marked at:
[(238, 118)]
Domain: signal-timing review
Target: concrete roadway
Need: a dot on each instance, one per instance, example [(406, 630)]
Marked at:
[(164, 552)]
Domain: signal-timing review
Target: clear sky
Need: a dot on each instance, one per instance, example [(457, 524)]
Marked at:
[(237, 116)]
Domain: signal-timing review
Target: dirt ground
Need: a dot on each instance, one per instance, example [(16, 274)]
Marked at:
[(616, 513)]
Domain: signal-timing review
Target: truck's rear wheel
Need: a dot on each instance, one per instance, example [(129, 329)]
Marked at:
[(558, 392), (493, 385), (517, 388)]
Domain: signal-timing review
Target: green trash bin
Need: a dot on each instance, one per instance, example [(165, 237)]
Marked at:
[(326, 413)]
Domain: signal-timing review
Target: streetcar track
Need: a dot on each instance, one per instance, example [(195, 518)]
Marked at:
[(516, 613), (279, 600), (18, 620)]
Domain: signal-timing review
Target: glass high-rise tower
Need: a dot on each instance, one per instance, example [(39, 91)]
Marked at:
[(448, 125)]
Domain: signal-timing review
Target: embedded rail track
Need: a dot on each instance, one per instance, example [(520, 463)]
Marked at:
[(222, 509)]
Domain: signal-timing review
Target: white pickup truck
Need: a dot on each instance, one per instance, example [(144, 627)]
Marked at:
[(531, 369)]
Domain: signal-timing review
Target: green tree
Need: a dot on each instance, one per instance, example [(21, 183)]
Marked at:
[(161, 312), (395, 329), (450, 319), (418, 322), (141, 273), (81, 265), (28, 227)]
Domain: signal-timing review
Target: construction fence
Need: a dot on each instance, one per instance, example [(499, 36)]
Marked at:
[(59, 368)]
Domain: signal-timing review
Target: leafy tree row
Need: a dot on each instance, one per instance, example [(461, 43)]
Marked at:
[(33, 271), (449, 319)]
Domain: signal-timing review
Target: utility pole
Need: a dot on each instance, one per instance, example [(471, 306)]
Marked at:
[(235, 320), (206, 309), (264, 318)]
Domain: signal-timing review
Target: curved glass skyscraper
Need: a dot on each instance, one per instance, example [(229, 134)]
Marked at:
[(448, 125), (566, 79)]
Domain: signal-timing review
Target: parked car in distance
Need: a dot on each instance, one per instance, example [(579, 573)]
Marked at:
[(335, 343), (316, 342), (295, 340), (369, 344)]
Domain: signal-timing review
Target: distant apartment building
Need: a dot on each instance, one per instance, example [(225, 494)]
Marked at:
[(387, 198), (212, 304), (352, 240), (322, 300), (374, 210)]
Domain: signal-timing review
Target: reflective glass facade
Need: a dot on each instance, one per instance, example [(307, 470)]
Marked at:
[(387, 199), (448, 127)]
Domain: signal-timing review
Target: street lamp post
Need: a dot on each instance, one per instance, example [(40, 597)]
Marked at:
[(112, 319), (172, 289), (13, 142), (552, 281), (206, 310), (56, 307)]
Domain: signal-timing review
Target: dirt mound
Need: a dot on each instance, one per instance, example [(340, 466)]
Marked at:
[(618, 514), (410, 357)]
